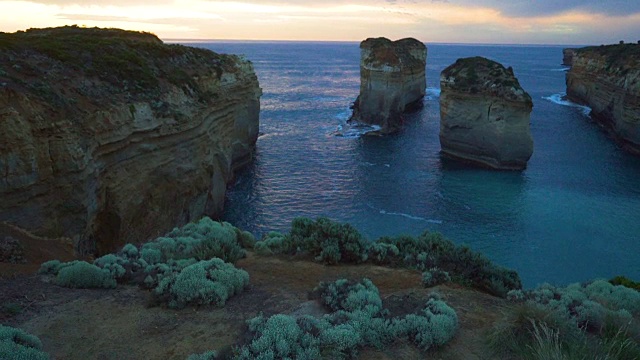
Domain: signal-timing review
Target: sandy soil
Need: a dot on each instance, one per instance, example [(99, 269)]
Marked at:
[(120, 324)]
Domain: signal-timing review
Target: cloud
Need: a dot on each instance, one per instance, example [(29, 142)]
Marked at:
[(533, 8)]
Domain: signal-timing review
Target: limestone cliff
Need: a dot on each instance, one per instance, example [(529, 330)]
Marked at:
[(607, 79), (484, 115), (109, 136), (392, 81), (567, 56)]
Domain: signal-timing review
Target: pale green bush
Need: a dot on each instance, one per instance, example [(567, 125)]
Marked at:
[(357, 320), (435, 276), (81, 274), (205, 282), (208, 355), (16, 344)]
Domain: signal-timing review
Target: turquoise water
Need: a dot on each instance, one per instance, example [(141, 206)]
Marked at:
[(572, 215)]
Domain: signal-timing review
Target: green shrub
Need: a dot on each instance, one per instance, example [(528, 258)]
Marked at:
[(430, 250), (329, 241), (434, 326), (382, 253), (590, 320), (435, 276), (351, 296), (113, 264), (16, 344), (357, 320), (621, 280), (275, 243), (205, 282), (50, 267), (203, 240), (81, 274)]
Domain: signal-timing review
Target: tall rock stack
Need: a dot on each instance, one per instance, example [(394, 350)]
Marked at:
[(392, 81), (110, 136), (484, 115), (607, 79)]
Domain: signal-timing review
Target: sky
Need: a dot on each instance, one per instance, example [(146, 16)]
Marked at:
[(567, 22)]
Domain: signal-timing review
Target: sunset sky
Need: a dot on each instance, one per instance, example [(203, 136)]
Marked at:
[(459, 21)]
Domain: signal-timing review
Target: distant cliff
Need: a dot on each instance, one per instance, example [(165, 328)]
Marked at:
[(109, 136), (484, 115), (392, 80), (607, 79), (567, 56)]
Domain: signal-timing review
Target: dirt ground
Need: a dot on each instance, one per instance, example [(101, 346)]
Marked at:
[(120, 324)]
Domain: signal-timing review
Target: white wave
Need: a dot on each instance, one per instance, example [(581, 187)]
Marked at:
[(563, 69), (354, 130), (432, 93), (432, 221), (560, 99)]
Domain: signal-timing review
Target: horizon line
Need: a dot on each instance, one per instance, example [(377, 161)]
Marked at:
[(188, 40)]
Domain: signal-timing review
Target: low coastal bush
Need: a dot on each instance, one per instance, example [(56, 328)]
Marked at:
[(590, 320), (357, 320), (435, 276), (184, 267), (333, 243), (330, 242), (81, 274), (203, 283), (16, 344), (626, 282)]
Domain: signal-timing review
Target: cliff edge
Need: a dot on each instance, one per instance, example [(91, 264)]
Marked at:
[(484, 115), (392, 81), (607, 79), (110, 136)]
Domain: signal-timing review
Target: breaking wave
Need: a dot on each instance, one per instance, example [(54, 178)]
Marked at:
[(561, 99)]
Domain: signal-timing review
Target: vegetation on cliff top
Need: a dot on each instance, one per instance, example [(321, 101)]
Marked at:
[(618, 56), (334, 243), (393, 53), (479, 74), (132, 62)]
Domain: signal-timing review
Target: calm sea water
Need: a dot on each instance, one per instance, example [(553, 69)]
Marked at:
[(572, 215)]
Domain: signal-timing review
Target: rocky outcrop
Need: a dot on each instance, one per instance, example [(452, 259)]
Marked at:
[(392, 81), (484, 115), (108, 136), (567, 56), (607, 79)]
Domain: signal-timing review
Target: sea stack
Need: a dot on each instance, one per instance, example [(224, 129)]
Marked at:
[(607, 79), (110, 136), (484, 115), (392, 81)]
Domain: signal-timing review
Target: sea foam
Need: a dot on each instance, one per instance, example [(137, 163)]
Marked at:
[(561, 99)]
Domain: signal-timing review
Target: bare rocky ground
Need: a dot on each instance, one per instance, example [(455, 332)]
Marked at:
[(122, 324)]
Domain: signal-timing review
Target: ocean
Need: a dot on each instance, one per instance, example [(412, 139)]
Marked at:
[(571, 216)]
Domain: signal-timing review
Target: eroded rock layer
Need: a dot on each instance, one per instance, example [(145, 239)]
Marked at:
[(607, 79), (108, 136), (392, 81), (484, 115)]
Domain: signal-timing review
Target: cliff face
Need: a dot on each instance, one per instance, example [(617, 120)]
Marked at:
[(484, 115), (607, 79), (392, 80), (109, 136), (567, 56)]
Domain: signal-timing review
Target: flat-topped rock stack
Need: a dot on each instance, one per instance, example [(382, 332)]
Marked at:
[(484, 115), (392, 81)]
